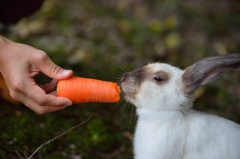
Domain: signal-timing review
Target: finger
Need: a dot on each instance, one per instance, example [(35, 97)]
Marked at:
[(53, 93), (37, 108), (49, 87), (45, 64), (33, 91)]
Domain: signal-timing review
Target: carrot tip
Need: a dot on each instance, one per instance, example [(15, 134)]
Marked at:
[(84, 90)]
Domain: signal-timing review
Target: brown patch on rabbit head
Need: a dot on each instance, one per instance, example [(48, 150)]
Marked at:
[(132, 81)]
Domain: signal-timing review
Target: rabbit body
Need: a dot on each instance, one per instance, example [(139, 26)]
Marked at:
[(174, 134), (167, 126)]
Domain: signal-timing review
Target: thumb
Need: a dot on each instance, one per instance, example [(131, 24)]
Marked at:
[(52, 70), (58, 73)]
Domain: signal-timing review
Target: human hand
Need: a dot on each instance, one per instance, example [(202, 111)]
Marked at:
[(19, 63)]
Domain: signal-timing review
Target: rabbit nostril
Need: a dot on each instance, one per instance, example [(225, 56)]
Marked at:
[(124, 76)]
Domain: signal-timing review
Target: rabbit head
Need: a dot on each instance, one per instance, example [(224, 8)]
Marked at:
[(159, 86)]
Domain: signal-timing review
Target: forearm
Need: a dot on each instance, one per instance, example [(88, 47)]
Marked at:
[(3, 40), (7, 51), (3, 45)]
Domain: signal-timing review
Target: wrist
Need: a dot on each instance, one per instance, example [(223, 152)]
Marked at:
[(2, 39), (3, 42)]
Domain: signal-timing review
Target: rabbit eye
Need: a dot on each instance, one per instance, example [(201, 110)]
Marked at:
[(159, 79)]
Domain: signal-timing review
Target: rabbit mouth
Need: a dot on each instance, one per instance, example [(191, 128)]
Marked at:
[(129, 90), (128, 97)]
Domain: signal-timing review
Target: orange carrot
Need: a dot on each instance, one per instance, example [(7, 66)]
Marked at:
[(84, 90)]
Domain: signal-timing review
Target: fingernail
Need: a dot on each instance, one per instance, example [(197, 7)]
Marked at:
[(66, 72), (69, 104)]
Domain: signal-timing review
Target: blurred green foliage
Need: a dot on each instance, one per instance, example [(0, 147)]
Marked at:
[(103, 39)]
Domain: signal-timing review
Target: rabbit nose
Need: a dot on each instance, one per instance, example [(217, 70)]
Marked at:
[(124, 76)]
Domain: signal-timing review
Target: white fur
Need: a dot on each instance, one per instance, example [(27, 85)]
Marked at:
[(172, 134), (168, 128)]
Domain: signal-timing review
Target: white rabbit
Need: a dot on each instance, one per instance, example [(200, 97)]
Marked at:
[(167, 126)]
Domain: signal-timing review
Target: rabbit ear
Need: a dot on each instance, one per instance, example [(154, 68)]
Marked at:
[(208, 70)]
